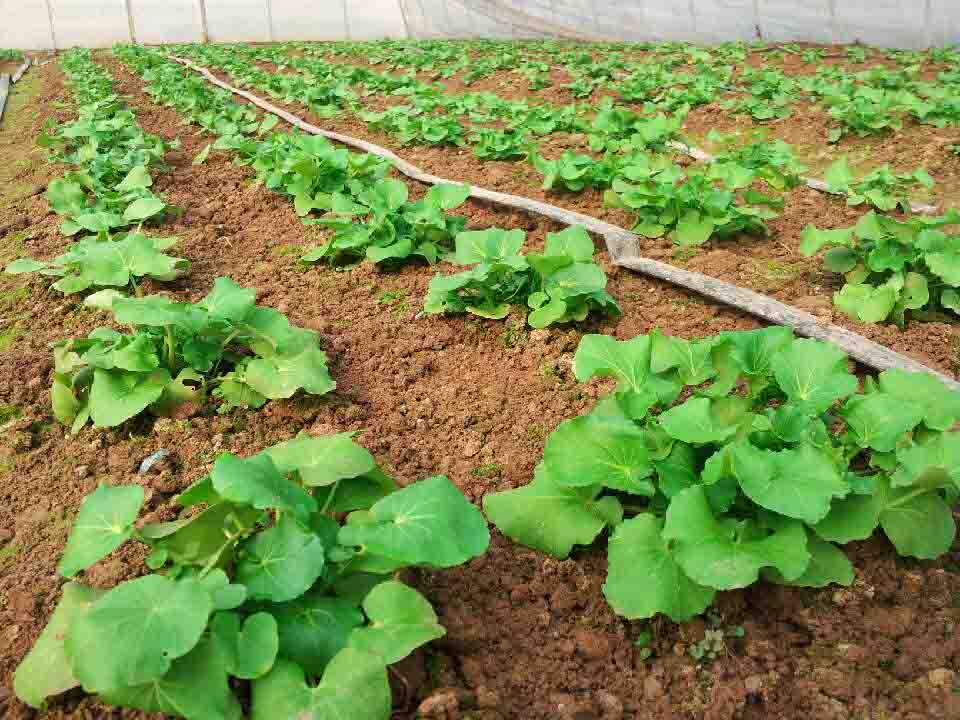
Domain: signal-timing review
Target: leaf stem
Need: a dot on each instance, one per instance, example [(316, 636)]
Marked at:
[(329, 500)]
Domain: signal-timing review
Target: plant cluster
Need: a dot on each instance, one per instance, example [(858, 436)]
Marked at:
[(689, 208), (770, 161), (383, 226), (111, 188), (771, 459), (881, 187), (119, 261), (283, 582), (176, 353), (891, 266), (562, 284)]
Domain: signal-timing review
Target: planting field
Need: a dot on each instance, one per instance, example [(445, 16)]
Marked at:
[(285, 433)]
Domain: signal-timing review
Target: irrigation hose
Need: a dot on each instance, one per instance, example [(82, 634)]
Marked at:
[(624, 249)]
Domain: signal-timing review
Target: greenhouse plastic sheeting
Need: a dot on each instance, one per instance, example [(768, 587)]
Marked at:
[(42, 24), (894, 23), (36, 24)]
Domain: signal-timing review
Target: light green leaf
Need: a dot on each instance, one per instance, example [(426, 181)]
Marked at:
[(603, 356), (116, 395), (46, 671), (159, 621), (400, 621), (813, 374), (427, 523), (281, 563), (104, 523), (798, 482), (248, 650), (258, 482), (143, 209), (828, 565), (710, 554), (695, 422), (643, 578), (919, 526), (195, 687), (551, 517), (354, 687), (939, 404), (879, 420), (322, 460), (591, 450)]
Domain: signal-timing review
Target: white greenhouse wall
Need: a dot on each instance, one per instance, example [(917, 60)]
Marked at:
[(39, 24)]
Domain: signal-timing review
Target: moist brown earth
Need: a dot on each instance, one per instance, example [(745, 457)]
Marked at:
[(528, 637)]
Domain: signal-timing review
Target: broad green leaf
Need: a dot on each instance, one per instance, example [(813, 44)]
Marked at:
[(919, 526), (866, 303), (46, 671), (590, 451), (939, 404), (828, 565), (228, 300), (573, 242), (854, 517), (281, 376), (643, 578), (258, 482), (195, 687), (448, 196), (839, 176), (797, 482), (692, 360), (478, 246), (104, 523), (159, 621), (426, 523), (143, 209), (879, 420), (551, 517), (695, 421), (24, 265), (314, 628), (812, 239), (710, 554), (400, 621), (603, 356), (323, 460), (931, 464), (354, 687), (248, 647), (137, 179), (693, 229), (281, 563), (204, 538), (813, 374), (116, 395)]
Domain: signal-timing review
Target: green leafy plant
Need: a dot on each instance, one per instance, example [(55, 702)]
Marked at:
[(561, 285), (8, 55), (572, 172), (690, 209), (769, 461), (508, 144), (111, 189), (117, 262), (881, 187), (283, 583), (394, 229), (867, 111), (177, 352), (891, 266), (770, 161)]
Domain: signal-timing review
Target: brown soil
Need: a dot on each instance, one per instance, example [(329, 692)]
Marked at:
[(529, 638)]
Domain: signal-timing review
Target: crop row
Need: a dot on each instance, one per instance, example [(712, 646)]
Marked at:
[(887, 272), (712, 464)]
